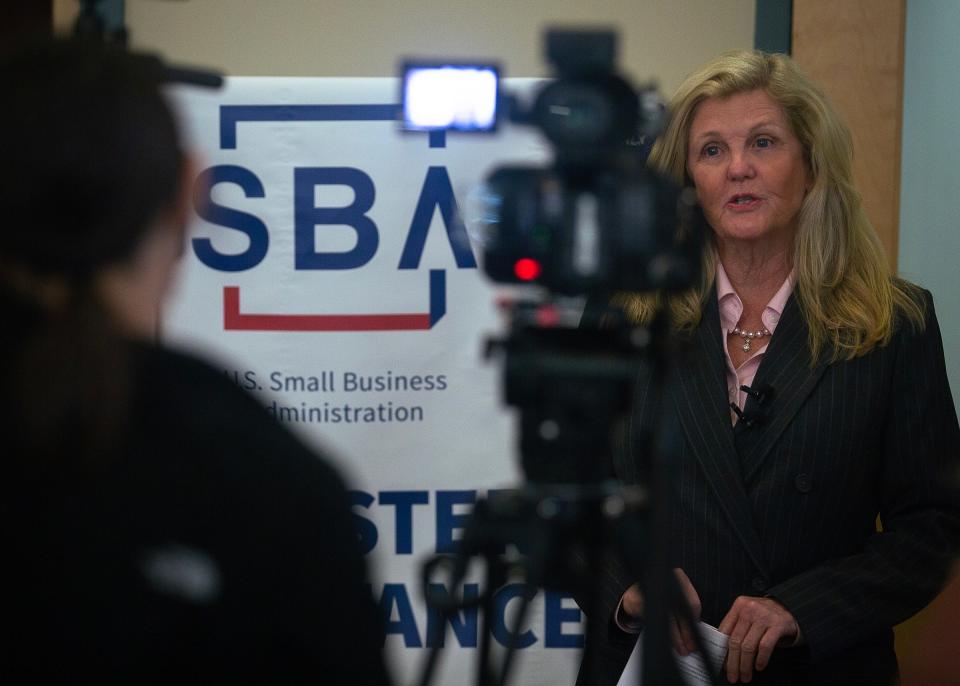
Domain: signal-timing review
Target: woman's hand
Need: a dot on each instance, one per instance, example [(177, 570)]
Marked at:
[(755, 627), (633, 604)]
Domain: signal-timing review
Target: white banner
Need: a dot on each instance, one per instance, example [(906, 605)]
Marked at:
[(332, 276)]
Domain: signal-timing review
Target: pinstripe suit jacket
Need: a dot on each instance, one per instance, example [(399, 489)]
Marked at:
[(787, 508)]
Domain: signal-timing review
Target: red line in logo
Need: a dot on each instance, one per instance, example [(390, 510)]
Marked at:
[(235, 320)]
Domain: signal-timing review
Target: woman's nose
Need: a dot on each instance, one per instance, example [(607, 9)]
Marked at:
[(740, 166)]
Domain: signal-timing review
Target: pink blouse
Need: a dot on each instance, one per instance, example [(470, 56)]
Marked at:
[(731, 307)]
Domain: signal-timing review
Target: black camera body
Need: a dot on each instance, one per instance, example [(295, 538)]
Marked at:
[(584, 232), (596, 221)]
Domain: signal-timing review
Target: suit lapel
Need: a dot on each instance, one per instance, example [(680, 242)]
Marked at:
[(701, 402), (787, 370)]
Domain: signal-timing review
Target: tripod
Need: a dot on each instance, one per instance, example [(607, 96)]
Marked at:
[(574, 390)]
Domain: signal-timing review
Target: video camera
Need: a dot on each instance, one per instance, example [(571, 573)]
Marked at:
[(597, 220)]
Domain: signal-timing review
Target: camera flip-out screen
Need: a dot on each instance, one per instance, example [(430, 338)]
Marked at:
[(453, 97)]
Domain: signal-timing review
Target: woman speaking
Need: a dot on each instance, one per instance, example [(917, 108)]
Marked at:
[(814, 399)]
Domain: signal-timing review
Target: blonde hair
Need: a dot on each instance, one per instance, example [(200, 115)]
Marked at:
[(847, 293)]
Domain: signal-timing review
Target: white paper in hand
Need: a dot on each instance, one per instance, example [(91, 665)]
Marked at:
[(693, 669)]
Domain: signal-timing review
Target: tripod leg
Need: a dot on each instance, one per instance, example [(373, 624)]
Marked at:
[(487, 609), (514, 634)]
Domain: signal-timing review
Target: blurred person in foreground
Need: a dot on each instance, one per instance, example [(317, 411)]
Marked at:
[(811, 399), (158, 526)]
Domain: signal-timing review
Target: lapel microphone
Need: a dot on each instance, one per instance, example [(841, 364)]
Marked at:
[(754, 409)]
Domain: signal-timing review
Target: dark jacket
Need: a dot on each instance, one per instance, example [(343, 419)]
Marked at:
[(788, 507), (211, 545)]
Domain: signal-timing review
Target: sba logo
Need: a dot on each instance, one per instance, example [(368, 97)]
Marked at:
[(436, 193)]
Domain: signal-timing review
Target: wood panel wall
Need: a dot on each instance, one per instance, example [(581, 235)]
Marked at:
[(854, 50)]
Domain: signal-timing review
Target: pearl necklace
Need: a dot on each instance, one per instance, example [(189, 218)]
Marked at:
[(748, 336)]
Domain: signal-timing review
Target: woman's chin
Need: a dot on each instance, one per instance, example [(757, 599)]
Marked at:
[(747, 235)]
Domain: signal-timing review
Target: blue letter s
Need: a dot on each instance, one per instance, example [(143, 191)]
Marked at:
[(215, 213)]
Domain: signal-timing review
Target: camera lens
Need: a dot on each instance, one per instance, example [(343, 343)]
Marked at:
[(574, 113)]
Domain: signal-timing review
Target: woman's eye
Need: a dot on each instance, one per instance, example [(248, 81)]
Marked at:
[(711, 150), (764, 142)]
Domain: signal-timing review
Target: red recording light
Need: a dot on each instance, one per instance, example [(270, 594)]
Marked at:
[(527, 269)]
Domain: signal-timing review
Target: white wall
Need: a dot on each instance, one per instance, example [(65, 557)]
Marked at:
[(930, 166), (665, 39)]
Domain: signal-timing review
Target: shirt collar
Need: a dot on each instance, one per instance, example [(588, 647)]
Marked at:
[(731, 307)]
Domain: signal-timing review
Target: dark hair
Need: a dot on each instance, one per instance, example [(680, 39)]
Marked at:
[(91, 156)]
